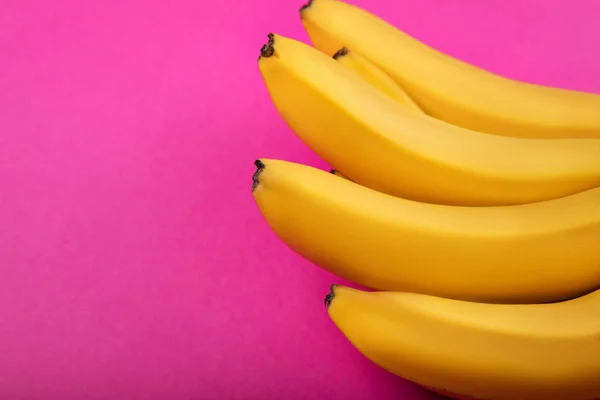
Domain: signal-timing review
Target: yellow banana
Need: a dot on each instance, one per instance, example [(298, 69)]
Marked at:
[(376, 77), (475, 350), (450, 89), (531, 253), (379, 144)]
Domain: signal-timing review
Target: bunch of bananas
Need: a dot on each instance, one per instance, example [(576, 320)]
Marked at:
[(468, 202)]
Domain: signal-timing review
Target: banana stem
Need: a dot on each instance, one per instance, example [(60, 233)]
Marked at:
[(267, 50), (305, 6), (330, 296), (340, 53), (260, 166)]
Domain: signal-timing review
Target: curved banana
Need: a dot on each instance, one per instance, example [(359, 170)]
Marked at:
[(531, 253), (378, 143), (475, 350), (376, 77), (450, 89)]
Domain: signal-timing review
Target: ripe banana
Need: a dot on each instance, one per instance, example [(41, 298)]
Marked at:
[(378, 143), (450, 89), (475, 350), (376, 77), (531, 253)]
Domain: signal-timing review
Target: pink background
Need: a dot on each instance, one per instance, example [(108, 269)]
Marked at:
[(133, 261)]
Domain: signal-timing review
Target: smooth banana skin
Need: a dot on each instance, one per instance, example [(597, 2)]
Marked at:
[(376, 77), (533, 253), (476, 350), (378, 143), (450, 89)]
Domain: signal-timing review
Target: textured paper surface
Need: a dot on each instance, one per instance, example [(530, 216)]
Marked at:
[(133, 261)]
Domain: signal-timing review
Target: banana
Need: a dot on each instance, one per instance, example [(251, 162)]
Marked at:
[(531, 253), (476, 350), (376, 77), (447, 88), (377, 143)]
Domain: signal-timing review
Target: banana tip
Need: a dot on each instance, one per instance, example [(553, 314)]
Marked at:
[(341, 53), (330, 296), (260, 166), (305, 6), (267, 49)]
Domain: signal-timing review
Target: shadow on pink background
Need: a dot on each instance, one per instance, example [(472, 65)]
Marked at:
[(133, 261)]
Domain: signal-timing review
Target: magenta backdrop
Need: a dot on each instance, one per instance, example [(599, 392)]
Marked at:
[(133, 261)]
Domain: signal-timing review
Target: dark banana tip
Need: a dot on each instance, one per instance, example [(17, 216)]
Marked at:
[(305, 6), (260, 166), (330, 296), (341, 53), (332, 171), (267, 49)]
